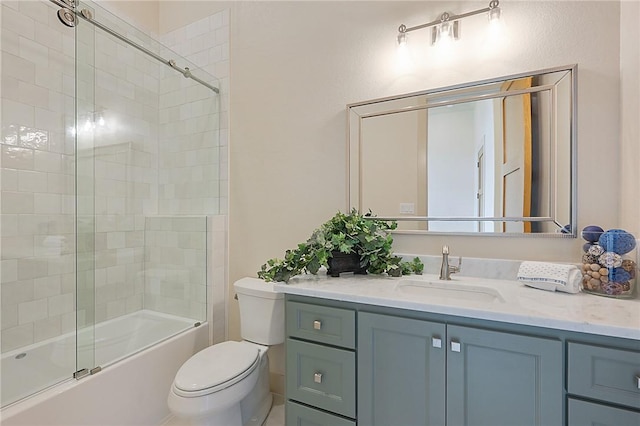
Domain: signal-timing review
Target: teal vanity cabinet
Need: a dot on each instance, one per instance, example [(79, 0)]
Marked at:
[(350, 363), (406, 367), (609, 378)]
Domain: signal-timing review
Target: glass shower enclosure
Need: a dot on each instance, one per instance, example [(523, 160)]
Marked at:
[(107, 185)]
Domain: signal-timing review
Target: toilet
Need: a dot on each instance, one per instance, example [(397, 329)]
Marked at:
[(227, 384)]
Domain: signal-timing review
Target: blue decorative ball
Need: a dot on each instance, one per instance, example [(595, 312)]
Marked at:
[(618, 241), (586, 246), (619, 275), (592, 233)]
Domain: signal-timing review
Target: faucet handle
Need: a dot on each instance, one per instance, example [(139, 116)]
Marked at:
[(456, 268), (445, 249)]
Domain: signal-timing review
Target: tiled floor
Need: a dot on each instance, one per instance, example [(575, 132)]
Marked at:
[(275, 417)]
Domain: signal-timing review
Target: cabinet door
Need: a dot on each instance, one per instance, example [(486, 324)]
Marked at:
[(496, 379), (401, 371), (582, 413)]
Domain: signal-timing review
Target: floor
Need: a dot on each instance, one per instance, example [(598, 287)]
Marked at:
[(275, 417)]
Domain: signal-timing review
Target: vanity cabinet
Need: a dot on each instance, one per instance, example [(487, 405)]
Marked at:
[(349, 363), (610, 378), (407, 366)]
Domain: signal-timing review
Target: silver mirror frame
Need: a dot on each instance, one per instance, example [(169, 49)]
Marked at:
[(353, 162)]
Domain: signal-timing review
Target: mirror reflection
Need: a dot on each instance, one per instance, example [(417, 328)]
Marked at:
[(489, 157)]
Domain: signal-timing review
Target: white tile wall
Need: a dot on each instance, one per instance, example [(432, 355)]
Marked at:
[(205, 42), (37, 175), (196, 179), (176, 265)]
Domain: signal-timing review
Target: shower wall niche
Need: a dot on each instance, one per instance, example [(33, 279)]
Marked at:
[(111, 199)]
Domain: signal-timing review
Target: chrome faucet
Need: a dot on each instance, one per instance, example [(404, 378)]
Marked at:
[(445, 269)]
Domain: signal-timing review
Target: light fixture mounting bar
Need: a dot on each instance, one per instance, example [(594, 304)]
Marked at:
[(403, 29), (474, 12), (419, 27)]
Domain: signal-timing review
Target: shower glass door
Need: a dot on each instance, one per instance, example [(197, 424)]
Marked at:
[(147, 179), (110, 163)]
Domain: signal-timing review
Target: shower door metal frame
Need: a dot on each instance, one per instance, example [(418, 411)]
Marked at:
[(68, 6)]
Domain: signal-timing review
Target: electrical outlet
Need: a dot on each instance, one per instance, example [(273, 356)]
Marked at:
[(407, 208)]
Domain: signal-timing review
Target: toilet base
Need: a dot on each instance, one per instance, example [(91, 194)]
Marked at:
[(231, 417), (213, 410), (262, 413)]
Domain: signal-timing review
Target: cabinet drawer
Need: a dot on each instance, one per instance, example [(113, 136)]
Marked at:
[(300, 415), (606, 374), (322, 324), (321, 376), (583, 413)]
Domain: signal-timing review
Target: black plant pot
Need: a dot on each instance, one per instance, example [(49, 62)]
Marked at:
[(340, 262)]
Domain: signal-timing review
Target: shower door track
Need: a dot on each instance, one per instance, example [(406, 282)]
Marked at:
[(87, 16)]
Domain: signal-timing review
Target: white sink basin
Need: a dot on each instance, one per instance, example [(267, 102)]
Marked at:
[(444, 291)]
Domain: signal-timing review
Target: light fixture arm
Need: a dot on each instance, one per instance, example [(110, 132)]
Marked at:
[(403, 29)]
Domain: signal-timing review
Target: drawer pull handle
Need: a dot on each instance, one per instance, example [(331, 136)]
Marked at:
[(455, 346), (317, 377), (317, 325), (638, 381), (436, 342)]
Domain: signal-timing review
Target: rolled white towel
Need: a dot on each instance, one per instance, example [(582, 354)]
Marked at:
[(550, 276)]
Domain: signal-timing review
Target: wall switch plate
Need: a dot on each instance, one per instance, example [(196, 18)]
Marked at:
[(407, 208)]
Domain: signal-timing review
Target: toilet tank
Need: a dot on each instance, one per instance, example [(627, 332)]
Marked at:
[(261, 311)]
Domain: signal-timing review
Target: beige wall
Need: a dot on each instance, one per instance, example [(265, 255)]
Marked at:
[(143, 14), (629, 123), (392, 175)]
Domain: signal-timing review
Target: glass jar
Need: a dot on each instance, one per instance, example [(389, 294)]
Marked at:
[(610, 268)]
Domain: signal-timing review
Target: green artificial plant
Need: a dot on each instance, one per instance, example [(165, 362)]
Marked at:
[(345, 233)]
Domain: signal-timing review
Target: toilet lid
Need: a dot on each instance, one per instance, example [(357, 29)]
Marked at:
[(216, 367)]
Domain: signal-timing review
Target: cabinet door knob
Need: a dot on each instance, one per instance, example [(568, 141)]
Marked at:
[(317, 325), (436, 342), (455, 346), (317, 377)]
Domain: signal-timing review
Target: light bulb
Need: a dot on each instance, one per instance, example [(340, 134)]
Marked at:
[(402, 39), (494, 15), (101, 121), (445, 34), (495, 22)]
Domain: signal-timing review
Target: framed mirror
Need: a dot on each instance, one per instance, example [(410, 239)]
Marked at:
[(491, 157)]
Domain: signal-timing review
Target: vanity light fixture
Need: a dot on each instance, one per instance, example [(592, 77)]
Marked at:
[(447, 26)]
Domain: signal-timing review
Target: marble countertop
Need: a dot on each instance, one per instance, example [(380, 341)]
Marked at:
[(516, 302)]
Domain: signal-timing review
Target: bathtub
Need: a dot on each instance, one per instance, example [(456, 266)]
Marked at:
[(130, 390)]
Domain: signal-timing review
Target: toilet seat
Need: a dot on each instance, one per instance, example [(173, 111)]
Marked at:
[(216, 368)]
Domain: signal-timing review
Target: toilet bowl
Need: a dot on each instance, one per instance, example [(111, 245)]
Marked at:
[(228, 383)]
